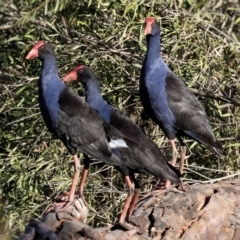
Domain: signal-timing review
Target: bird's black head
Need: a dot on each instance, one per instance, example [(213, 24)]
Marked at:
[(151, 26), (81, 73), (41, 50)]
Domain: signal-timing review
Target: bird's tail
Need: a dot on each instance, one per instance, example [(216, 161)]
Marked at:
[(174, 174), (218, 149), (210, 142)]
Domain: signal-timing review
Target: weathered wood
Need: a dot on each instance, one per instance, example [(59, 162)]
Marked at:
[(204, 211)]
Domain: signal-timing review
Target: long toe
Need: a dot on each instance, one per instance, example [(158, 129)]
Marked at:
[(127, 226), (83, 198), (168, 187), (58, 206)]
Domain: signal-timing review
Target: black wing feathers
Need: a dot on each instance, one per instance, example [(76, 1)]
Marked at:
[(74, 117), (190, 116), (142, 155)]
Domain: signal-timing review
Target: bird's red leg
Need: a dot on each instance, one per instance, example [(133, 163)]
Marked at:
[(75, 179), (134, 198), (182, 158), (83, 178), (74, 183), (71, 194), (174, 152), (167, 184), (122, 218), (133, 202)]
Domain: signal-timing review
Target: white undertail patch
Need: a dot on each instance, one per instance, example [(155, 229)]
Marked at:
[(118, 143)]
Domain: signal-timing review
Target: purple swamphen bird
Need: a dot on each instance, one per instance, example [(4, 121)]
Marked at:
[(69, 117), (168, 101), (142, 156)]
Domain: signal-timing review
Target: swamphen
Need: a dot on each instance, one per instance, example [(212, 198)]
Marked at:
[(68, 116), (142, 156), (168, 101)]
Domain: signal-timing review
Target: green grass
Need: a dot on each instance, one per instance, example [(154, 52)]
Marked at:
[(200, 42)]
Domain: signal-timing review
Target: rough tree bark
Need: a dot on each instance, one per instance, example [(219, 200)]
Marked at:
[(204, 211)]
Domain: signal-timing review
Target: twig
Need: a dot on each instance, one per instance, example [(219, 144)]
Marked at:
[(23, 118), (213, 180), (209, 169), (214, 96), (198, 173)]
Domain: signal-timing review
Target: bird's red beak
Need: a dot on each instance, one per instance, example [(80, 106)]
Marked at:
[(33, 53), (148, 25), (72, 76)]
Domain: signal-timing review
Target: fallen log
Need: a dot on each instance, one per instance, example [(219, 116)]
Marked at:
[(203, 211)]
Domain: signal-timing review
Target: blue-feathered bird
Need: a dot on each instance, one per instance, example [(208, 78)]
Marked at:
[(168, 101), (69, 117), (142, 156)]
